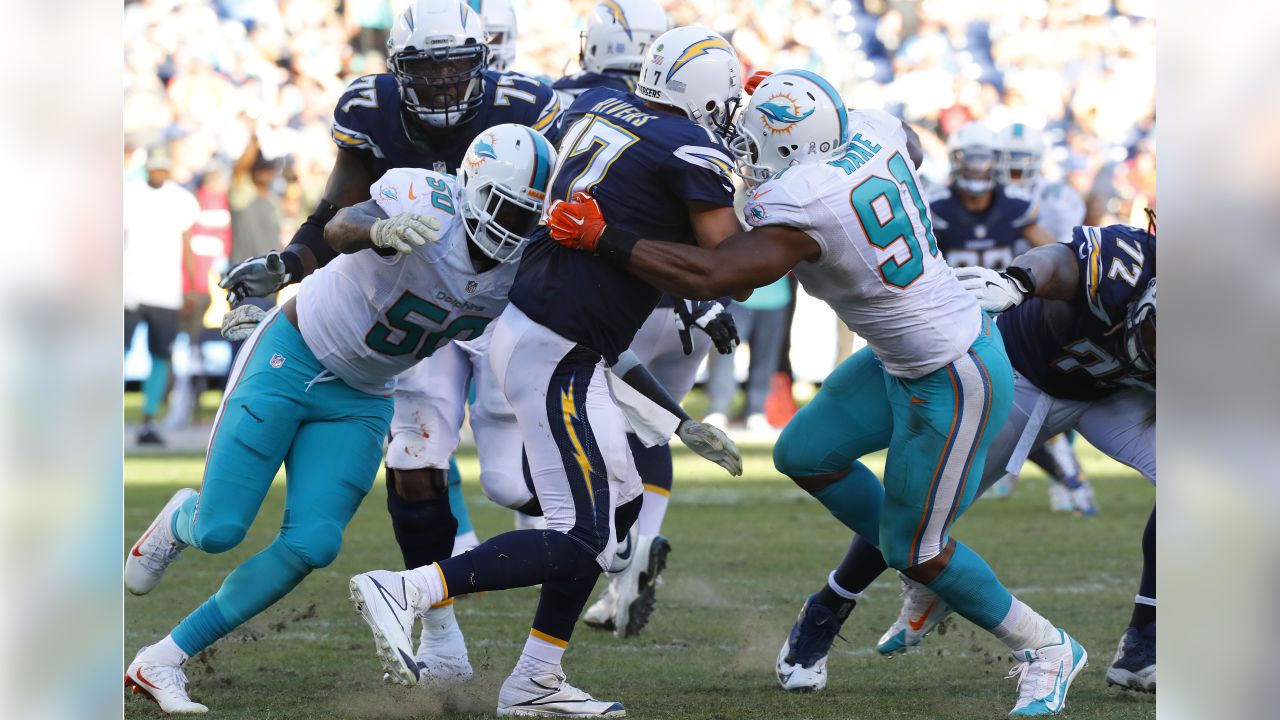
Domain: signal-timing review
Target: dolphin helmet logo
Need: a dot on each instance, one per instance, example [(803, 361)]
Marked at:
[(481, 151), (702, 47), (781, 112)]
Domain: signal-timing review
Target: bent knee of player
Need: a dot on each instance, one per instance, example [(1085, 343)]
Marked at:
[(505, 489), (219, 537), (318, 545)]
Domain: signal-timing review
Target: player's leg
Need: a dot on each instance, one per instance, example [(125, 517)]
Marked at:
[(944, 425), (498, 442), (766, 342), (162, 330), (254, 428), (1123, 426), (722, 379), (819, 449), (464, 538)]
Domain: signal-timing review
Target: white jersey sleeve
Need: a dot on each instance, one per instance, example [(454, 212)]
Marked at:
[(422, 192)]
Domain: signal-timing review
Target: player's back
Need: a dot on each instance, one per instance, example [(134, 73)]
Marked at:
[(368, 118), (1072, 349), (570, 87), (369, 317), (991, 238), (879, 268), (643, 166)]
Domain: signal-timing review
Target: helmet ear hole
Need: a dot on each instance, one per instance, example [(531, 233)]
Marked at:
[(784, 151), (711, 105)]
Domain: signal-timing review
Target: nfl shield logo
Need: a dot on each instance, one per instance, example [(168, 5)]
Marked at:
[(471, 286), (277, 360), (440, 167)]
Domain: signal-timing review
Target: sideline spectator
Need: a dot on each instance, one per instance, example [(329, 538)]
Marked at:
[(761, 320), (158, 216)]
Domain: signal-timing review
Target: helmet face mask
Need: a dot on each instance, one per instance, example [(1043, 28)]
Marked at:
[(442, 88), (1020, 151), (498, 221), (1017, 167), (974, 169), (1139, 342), (503, 183), (794, 116)]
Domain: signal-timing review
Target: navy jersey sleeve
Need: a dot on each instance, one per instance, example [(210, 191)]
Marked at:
[(1116, 263), (358, 114), (700, 168), (528, 101), (1023, 208)]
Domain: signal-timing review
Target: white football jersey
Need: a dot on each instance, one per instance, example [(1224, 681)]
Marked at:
[(880, 269), (1061, 208), (369, 318)]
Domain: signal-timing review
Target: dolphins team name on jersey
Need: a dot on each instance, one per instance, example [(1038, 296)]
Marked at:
[(643, 166), (1073, 349), (570, 87), (1061, 208), (369, 318), (990, 239), (880, 268), (368, 118)]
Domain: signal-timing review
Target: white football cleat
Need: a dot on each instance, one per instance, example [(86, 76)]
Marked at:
[(1060, 498), (387, 602), (551, 695), (922, 612), (637, 585), (600, 614), (1083, 500), (442, 651), (1045, 674), (165, 684), (156, 550)]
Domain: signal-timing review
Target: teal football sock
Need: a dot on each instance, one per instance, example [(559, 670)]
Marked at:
[(183, 523), (457, 504), (972, 589), (855, 500), (251, 588), (154, 386)]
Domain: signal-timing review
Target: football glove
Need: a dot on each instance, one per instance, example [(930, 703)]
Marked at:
[(256, 277), (754, 81), (712, 318), (994, 291), (711, 443), (240, 322), (576, 223), (404, 232)]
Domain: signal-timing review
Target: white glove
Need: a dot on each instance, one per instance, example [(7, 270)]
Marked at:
[(239, 322), (404, 231), (994, 291), (711, 443)]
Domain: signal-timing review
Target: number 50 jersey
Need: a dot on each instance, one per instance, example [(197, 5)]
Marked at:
[(879, 267), (369, 318)]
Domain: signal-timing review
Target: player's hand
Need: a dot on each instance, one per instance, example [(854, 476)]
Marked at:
[(240, 322), (256, 277), (754, 81), (711, 443), (576, 223), (710, 317), (994, 291), (404, 232)]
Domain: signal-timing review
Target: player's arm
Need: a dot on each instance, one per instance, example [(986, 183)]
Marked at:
[(1049, 272), (366, 226), (914, 149), (712, 225), (1038, 235)]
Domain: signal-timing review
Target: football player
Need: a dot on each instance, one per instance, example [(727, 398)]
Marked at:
[(1081, 338), (499, 19), (436, 98), (837, 202), (655, 158), (979, 221), (613, 48), (310, 389)]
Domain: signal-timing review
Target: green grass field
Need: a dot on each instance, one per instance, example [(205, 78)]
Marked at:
[(746, 552)]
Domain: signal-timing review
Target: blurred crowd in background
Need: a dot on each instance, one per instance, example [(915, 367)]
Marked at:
[(238, 94)]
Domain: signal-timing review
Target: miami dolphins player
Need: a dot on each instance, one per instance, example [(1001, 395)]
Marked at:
[(979, 221), (671, 344), (425, 112), (836, 201), (656, 157), (311, 387)]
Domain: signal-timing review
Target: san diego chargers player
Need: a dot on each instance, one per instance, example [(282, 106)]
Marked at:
[(979, 221), (425, 112), (1081, 338), (655, 158), (311, 388), (501, 31), (618, 34), (837, 202), (613, 48)]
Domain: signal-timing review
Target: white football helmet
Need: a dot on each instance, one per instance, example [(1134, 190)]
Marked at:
[(1020, 152), (695, 71), (499, 18), (437, 52), (1140, 332), (972, 149), (794, 116), (503, 180), (618, 33)]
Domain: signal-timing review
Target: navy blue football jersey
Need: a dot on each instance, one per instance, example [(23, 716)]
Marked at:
[(368, 118), (991, 239), (643, 166), (1074, 349), (570, 87)]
